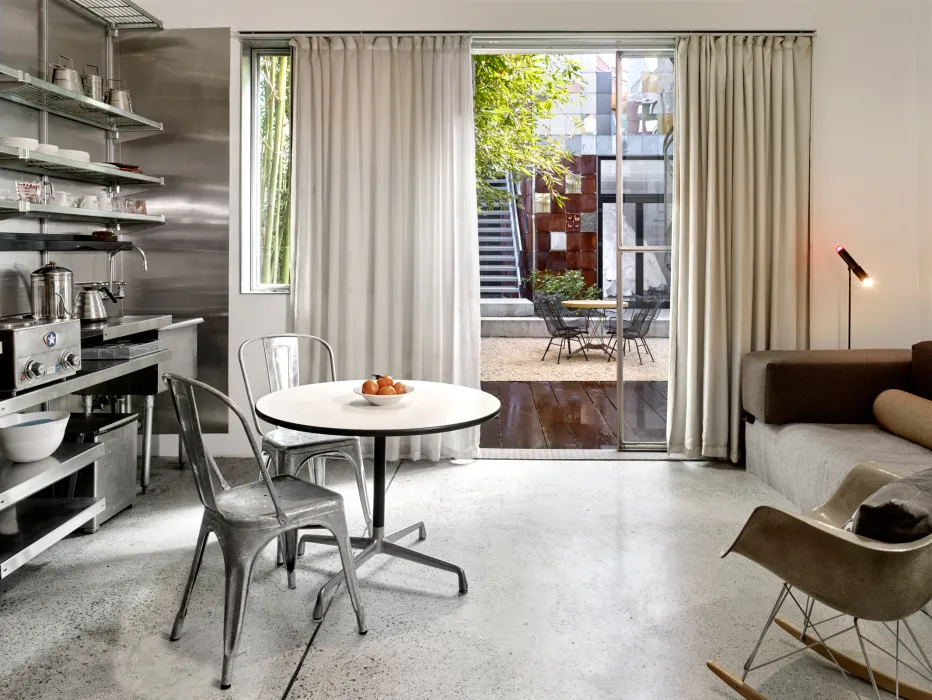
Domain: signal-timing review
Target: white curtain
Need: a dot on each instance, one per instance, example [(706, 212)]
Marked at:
[(386, 266), (741, 225)]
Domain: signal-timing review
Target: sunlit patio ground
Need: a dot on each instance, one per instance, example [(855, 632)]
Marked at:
[(518, 360)]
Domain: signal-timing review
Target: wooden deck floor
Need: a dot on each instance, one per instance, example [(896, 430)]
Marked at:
[(574, 415)]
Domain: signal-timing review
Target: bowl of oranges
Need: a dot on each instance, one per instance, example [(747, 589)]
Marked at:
[(383, 390)]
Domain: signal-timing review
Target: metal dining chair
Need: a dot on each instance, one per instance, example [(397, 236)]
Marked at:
[(290, 450), (246, 518)]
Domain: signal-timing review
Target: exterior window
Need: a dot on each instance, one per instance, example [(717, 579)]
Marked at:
[(269, 173)]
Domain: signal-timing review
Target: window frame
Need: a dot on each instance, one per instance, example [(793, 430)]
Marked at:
[(250, 227)]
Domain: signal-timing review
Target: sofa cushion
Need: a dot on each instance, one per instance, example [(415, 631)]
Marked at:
[(921, 370), (820, 386), (905, 415), (901, 511), (806, 462)]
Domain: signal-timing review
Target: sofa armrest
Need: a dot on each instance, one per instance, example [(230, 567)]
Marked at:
[(820, 386)]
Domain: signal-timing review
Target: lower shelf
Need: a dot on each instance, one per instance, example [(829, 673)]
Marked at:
[(31, 526)]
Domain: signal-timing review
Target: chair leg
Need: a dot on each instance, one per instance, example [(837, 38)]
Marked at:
[(582, 346), (290, 541), (355, 456), (238, 573), (178, 627), (647, 347), (319, 470), (548, 348), (349, 571), (638, 348)]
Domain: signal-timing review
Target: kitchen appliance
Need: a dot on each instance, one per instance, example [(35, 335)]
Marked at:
[(92, 83), (90, 304), (119, 97), (50, 289), (33, 353), (66, 76), (113, 476)]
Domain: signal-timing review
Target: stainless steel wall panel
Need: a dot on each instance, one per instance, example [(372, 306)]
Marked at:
[(182, 78)]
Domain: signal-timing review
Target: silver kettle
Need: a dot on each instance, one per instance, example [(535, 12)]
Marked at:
[(89, 305)]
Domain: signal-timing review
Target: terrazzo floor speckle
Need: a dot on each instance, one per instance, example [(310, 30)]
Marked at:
[(587, 580)]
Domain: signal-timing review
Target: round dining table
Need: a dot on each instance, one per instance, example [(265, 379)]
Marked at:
[(598, 330), (332, 408)]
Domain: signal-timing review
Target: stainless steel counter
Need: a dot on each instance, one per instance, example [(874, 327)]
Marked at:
[(121, 326)]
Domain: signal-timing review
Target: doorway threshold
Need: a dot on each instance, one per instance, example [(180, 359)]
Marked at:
[(588, 455)]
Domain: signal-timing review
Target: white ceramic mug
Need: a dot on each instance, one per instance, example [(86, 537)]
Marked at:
[(104, 202), (88, 201), (60, 199)]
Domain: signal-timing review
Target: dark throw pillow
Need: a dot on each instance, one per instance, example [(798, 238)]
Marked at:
[(899, 512)]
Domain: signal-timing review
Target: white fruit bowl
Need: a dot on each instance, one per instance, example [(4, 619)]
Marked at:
[(27, 437), (383, 400)]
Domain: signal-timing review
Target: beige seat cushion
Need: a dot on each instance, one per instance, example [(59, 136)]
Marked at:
[(906, 415)]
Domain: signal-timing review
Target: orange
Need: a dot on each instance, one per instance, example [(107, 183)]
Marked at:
[(387, 391), (386, 381), (370, 386), (400, 388)]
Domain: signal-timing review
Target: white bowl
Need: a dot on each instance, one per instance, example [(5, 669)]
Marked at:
[(19, 142), (384, 400), (82, 156), (27, 437), (49, 149)]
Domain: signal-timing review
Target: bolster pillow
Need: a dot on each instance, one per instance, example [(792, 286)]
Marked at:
[(906, 415)]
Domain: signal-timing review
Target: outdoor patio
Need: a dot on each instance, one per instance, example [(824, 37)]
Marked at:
[(518, 360)]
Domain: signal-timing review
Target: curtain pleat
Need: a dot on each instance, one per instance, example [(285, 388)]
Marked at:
[(741, 225), (386, 267)]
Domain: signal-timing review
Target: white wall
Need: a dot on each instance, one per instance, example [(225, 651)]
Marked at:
[(872, 156)]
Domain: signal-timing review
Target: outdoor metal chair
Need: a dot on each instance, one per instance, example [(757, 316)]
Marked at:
[(637, 328), (557, 326), (246, 518), (854, 575), (290, 450)]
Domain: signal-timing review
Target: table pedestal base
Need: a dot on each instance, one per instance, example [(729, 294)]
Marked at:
[(379, 543)]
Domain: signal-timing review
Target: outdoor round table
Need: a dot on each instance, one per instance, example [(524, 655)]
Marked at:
[(332, 408), (598, 331)]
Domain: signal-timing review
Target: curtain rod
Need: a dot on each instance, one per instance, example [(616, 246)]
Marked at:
[(524, 36)]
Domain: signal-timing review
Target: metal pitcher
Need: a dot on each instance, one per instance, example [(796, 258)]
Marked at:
[(50, 289), (119, 97)]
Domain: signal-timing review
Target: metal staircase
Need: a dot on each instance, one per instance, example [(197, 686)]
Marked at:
[(499, 246)]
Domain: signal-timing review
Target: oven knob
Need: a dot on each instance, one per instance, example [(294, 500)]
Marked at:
[(34, 369), (70, 361)]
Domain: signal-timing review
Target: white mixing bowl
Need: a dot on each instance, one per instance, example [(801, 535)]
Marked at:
[(27, 437)]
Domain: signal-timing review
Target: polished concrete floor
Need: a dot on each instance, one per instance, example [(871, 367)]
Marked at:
[(587, 580)]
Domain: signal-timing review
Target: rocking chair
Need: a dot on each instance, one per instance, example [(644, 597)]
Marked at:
[(856, 576)]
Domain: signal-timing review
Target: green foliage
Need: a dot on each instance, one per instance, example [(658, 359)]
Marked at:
[(513, 92), (568, 285), (274, 153)]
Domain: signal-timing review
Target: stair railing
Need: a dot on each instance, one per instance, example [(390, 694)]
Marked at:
[(517, 247)]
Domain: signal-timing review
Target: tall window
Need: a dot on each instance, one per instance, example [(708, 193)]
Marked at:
[(269, 172)]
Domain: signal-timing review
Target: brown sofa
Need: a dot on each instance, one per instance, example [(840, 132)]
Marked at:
[(810, 415)]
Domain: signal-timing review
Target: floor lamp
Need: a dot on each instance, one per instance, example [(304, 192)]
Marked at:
[(854, 270)]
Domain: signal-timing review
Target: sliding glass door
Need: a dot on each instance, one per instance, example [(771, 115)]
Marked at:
[(637, 246)]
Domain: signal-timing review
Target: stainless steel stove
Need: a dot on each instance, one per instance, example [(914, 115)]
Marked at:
[(34, 353)]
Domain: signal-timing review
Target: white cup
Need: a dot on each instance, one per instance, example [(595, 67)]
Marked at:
[(88, 201), (60, 199), (104, 202)]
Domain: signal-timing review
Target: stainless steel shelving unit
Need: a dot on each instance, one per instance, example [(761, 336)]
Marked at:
[(118, 14), (25, 89), (24, 161), (14, 208), (32, 525)]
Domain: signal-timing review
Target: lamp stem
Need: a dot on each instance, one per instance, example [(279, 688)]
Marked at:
[(849, 308)]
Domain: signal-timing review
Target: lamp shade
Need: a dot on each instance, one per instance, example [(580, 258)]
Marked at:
[(856, 269)]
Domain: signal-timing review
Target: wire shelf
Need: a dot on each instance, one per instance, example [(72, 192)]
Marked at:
[(21, 160), (18, 86), (120, 14), (10, 208)]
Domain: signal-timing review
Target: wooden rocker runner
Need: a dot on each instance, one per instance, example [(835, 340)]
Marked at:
[(860, 578)]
